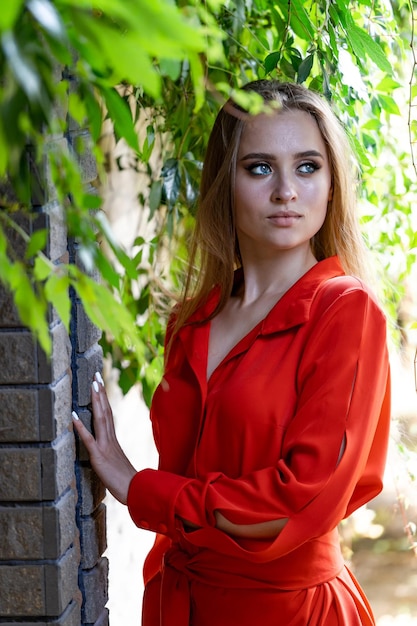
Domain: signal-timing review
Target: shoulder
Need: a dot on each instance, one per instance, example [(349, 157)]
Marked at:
[(347, 295)]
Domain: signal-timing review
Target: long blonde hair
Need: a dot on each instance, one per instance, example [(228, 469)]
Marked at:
[(214, 253)]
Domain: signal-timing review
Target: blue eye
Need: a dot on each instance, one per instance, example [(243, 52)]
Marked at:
[(259, 169), (308, 168)]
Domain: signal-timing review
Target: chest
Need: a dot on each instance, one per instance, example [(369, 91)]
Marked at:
[(237, 421)]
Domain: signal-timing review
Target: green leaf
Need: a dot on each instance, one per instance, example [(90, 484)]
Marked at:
[(42, 268), (37, 242), (389, 105), (300, 21), (121, 116), (171, 185), (9, 13), (56, 292), (270, 62), (362, 44), (305, 68)]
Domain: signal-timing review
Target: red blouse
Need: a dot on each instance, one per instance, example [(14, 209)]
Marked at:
[(292, 424)]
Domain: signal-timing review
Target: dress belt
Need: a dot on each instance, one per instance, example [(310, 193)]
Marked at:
[(313, 563)]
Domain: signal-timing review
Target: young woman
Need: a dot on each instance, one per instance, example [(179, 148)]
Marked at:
[(272, 418)]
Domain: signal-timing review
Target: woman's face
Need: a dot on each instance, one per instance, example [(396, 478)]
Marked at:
[(283, 183)]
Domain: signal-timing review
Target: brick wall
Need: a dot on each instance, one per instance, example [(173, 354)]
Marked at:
[(52, 519)]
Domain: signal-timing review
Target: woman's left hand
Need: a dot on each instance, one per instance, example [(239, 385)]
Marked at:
[(106, 456)]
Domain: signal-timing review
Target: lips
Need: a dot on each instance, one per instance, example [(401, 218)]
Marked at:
[(284, 219), (284, 214)]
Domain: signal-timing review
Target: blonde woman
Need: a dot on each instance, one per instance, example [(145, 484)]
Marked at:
[(272, 418)]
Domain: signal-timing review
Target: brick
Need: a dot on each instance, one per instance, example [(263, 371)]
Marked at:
[(61, 583), (58, 467), (92, 491), (70, 617), (19, 416), (103, 619), (87, 365), (34, 532), (80, 139), (35, 414), (93, 534), (57, 230), (22, 590), (59, 363), (96, 591), (21, 530), (87, 333), (20, 477), (62, 404), (9, 317), (59, 527), (37, 473), (18, 358), (39, 590)]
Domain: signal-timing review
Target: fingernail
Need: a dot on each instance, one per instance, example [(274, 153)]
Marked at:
[(95, 386), (99, 378), (75, 416)]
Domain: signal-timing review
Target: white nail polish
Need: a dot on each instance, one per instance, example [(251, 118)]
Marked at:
[(95, 386), (75, 416), (99, 378)]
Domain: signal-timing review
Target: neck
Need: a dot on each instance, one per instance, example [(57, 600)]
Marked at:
[(264, 278)]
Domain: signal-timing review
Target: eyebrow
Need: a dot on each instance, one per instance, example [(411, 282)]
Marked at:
[(270, 157)]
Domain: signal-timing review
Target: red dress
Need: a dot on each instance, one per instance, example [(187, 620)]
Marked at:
[(292, 424)]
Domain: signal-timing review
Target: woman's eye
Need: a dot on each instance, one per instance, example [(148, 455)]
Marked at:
[(308, 168), (260, 169)]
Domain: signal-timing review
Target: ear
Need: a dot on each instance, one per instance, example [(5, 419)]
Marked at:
[(330, 194)]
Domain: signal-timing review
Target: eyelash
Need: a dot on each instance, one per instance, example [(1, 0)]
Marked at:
[(251, 168)]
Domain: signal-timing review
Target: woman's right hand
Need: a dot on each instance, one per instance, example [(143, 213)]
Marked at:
[(106, 456)]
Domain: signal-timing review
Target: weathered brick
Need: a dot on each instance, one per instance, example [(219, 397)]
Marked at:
[(103, 619), (58, 467), (92, 491), (35, 532), (96, 591), (70, 617), (20, 477), (18, 358), (57, 230), (87, 333), (9, 317), (35, 414), (39, 590), (22, 590), (32, 473), (19, 416), (21, 530), (87, 364), (55, 367), (81, 142), (59, 527), (93, 533), (61, 582)]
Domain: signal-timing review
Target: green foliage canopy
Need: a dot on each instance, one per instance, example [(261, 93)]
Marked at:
[(175, 63)]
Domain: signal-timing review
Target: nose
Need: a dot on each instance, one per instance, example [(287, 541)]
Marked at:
[(284, 189)]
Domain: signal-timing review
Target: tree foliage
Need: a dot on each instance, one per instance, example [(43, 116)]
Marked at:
[(168, 66)]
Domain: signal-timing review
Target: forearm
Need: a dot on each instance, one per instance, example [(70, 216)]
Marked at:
[(262, 530)]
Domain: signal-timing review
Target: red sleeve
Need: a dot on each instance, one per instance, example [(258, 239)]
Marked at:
[(343, 385)]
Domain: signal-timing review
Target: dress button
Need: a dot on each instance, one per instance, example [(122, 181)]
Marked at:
[(144, 524), (162, 528)]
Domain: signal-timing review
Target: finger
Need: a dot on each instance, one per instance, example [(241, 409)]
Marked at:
[(84, 434), (103, 416)]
